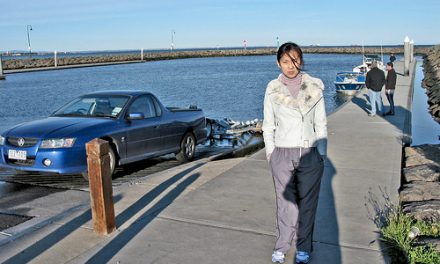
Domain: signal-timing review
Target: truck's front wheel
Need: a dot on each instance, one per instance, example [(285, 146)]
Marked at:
[(187, 147)]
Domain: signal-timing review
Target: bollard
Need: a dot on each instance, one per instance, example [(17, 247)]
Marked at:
[(2, 77), (55, 59), (406, 55), (411, 51), (100, 181), (142, 54)]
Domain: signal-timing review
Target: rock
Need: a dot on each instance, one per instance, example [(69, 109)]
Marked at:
[(431, 69), (423, 154), (428, 211), (425, 240), (425, 172), (420, 191)]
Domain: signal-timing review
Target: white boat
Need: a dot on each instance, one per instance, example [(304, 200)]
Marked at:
[(366, 63), (351, 82)]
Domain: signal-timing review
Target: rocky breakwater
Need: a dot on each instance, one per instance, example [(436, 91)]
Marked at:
[(148, 56), (431, 81), (420, 191), (50, 62), (16, 64)]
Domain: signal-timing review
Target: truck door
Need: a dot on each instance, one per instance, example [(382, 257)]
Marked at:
[(143, 136)]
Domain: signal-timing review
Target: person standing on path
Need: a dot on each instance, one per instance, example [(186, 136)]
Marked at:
[(295, 135), (390, 86), (392, 57), (375, 81)]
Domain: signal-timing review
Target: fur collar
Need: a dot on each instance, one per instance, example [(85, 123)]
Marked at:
[(309, 94)]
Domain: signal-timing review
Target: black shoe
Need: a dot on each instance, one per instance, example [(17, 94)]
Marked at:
[(389, 113)]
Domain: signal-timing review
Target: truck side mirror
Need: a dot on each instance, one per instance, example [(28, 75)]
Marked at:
[(135, 116)]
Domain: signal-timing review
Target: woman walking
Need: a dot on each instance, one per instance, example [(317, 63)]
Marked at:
[(295, 135)]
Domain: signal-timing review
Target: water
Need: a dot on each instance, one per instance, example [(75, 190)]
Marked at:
[(424, 129), (223, 87)]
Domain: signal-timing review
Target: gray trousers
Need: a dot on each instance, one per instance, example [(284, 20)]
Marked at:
[(297, 174)]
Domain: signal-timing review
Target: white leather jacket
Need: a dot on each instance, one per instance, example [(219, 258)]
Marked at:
[(295, 122)]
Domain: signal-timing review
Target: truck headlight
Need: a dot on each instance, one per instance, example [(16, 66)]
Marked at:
[(57, 143), (2, 140)]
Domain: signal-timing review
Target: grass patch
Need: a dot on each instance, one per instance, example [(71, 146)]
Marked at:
[(400, 232)]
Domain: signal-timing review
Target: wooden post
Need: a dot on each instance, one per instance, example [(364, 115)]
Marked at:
[(101, 192), (2, 77), (406, 56)]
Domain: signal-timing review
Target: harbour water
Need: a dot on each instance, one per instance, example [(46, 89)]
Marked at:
[(424, 129), (230, 87)]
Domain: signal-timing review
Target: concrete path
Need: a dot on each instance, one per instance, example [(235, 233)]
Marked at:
[(365, 155), (224, 211)]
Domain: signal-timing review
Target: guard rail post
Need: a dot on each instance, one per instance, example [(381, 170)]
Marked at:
[(406, 55), (101, 192)]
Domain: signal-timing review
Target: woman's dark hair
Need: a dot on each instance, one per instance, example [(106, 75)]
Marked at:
[(390, 64), (286, 48)]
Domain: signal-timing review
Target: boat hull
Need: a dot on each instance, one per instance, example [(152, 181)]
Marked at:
[(349, 82)]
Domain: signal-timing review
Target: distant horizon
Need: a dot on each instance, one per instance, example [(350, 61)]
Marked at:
[(207, 48)]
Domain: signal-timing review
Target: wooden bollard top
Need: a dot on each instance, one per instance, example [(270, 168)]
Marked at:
[(97, 147)]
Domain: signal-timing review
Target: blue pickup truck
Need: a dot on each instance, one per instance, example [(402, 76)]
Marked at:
[(135, 123)]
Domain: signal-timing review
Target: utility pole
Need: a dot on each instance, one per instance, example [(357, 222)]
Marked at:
[(172, 39), (29, 28)]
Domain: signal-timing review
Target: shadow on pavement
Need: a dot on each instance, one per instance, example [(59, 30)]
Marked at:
[(399, 120), (364, 104), (122, 239), (28, 254), (327, 248), (150, 196)]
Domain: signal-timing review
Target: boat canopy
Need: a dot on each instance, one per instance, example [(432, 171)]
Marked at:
[(372, 57)]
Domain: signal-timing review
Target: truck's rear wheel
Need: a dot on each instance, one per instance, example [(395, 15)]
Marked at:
[(111, 153), (187, 147)]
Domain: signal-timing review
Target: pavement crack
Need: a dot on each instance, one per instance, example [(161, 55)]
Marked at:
[(216, 225), (343, 245)]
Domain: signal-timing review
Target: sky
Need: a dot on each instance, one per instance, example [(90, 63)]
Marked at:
[(83, 25)]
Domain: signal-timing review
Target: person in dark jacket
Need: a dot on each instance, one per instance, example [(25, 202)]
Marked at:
[(375, 81), (390, 86), (392, 57)]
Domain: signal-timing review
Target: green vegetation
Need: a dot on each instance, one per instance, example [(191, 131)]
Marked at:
[(401, 233)]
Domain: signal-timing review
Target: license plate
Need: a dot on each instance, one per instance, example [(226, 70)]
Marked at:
[(17, 154)]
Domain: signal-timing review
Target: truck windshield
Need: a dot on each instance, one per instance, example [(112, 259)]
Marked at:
[(94, 106)]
